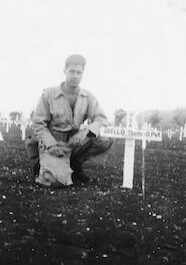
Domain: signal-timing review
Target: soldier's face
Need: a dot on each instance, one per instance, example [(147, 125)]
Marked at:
[(73, 74)]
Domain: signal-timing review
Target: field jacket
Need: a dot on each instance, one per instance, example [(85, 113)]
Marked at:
[(54, 114)]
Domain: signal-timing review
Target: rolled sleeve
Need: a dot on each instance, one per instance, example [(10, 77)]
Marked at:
[(40, 123)]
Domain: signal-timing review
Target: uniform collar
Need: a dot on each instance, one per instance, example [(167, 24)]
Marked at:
[(60, 92)]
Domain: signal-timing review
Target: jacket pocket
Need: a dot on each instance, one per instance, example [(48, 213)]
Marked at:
[(58, 117)]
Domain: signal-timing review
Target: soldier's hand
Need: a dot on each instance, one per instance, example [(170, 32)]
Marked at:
[(78, 138), (56, 150)]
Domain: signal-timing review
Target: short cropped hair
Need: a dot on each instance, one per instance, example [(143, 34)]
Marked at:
[(75, 59)]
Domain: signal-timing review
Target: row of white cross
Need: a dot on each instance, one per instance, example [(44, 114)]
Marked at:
[(23, 125), (146, 126), (182, 133)]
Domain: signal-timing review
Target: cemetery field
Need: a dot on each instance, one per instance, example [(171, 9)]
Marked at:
[(98, 223)]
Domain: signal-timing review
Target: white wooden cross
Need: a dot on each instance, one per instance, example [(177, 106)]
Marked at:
[(184, 132), (181, 133), (130, 135), (169, 133), (7, 126), (1, 137), (23, 131)]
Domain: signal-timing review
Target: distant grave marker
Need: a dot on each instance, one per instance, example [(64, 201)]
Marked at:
[(1, 137), (23, 131), (7, 127), (169, 133), (184, 132), (181, 133)]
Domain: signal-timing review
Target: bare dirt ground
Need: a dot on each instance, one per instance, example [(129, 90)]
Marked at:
[(99, 223)]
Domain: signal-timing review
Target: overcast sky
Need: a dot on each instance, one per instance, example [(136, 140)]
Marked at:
[(135, 51)]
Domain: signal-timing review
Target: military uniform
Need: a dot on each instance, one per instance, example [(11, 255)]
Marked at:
[(55, 122)]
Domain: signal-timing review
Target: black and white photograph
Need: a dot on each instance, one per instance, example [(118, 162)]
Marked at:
[(92, 132)]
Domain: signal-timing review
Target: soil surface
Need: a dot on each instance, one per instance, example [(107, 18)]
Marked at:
[(98, 223)]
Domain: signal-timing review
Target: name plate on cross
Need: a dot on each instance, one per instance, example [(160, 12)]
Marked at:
[(133, 134)]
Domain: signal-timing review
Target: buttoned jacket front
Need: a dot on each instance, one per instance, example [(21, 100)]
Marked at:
[(54, 114)]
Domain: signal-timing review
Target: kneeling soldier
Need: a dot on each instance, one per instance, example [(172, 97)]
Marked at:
[(60, 146)]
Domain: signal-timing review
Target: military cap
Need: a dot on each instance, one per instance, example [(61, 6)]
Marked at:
[(75, 59)]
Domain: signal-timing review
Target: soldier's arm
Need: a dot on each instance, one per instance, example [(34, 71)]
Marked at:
[(41, 120)]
